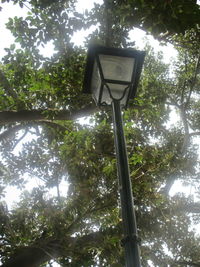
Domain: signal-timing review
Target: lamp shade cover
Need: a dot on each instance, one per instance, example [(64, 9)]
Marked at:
[(112, 73)]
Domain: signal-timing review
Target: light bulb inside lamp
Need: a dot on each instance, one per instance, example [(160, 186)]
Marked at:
[(116, 69)]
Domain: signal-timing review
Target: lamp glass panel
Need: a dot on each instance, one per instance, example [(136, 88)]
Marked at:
[(117, 68), (96, 82), (117, 91)]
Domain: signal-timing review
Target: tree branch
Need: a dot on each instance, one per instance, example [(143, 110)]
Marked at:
[(173, 102), (183, 87), (41, 115), (169, 183), (186, 129), (35, 255), (12, 131), (194, 134), (189, 263), (17, 142), (45, 249), (193, 81), (34, 118)]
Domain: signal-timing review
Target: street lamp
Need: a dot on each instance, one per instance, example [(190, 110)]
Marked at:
[(112, 76)]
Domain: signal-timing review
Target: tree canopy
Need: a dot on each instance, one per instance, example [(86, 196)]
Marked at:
[(43, 138)]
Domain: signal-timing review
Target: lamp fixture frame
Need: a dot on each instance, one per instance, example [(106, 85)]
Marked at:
[(94, 52)]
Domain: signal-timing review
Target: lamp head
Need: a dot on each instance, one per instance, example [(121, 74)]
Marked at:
[(112, 74)]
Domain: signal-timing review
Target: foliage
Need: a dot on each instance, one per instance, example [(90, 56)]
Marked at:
[(160, 17), (42, 139)]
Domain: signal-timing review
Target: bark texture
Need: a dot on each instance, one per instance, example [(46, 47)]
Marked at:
[(37, 115)]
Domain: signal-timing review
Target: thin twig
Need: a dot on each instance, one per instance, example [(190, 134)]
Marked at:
[(26, 131)]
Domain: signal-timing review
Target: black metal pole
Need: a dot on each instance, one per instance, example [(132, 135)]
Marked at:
[(130, 241)]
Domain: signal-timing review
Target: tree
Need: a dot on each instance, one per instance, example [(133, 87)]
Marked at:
[(42, 96)]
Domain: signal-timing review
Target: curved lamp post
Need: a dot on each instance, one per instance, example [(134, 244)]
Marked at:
[(112, 76)]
